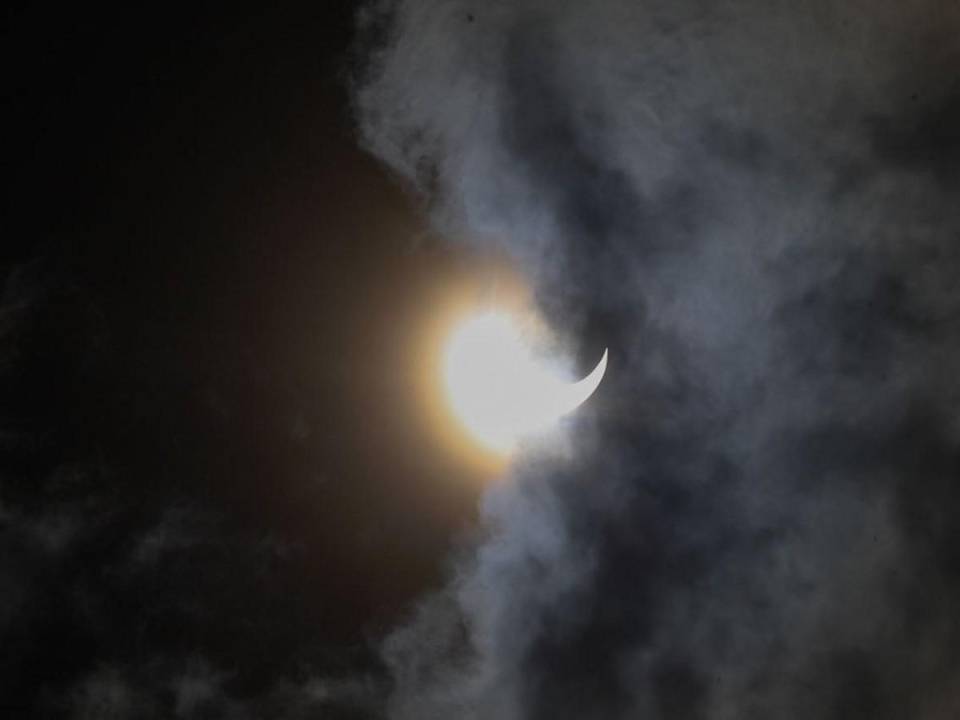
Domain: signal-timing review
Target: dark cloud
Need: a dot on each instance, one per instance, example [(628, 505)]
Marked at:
[(923, 139), (744, 204)]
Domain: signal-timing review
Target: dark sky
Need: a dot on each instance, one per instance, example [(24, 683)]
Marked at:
[(228, 234), (211, 446)]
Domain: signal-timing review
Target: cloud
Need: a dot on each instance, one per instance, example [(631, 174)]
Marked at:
[(194, 688), (753, 205)]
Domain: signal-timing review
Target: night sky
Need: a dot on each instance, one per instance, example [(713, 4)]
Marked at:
[(212, 460), (229, 235)]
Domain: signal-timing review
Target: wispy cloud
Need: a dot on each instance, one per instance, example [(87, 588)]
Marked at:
[(753, 205)]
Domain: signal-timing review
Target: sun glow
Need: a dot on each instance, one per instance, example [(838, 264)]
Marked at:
[(500, 389)]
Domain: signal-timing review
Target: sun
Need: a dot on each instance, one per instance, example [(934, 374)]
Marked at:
[(499, 388)]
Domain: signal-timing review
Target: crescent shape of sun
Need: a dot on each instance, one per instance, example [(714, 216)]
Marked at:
[(499, 390)]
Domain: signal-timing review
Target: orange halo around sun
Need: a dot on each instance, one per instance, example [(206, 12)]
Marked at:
[(489, 285)]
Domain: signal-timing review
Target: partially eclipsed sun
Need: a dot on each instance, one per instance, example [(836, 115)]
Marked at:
[(499, 389)]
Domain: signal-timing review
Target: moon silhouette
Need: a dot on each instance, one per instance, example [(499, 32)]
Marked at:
[(500, 390)]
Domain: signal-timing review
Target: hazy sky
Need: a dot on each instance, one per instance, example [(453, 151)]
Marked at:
[(229, 235)]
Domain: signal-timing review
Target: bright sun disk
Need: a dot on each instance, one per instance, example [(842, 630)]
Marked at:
[(499, 389)]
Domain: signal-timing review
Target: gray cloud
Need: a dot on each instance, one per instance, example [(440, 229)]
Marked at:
[(46, 585), (754, 205), (193, 688)]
